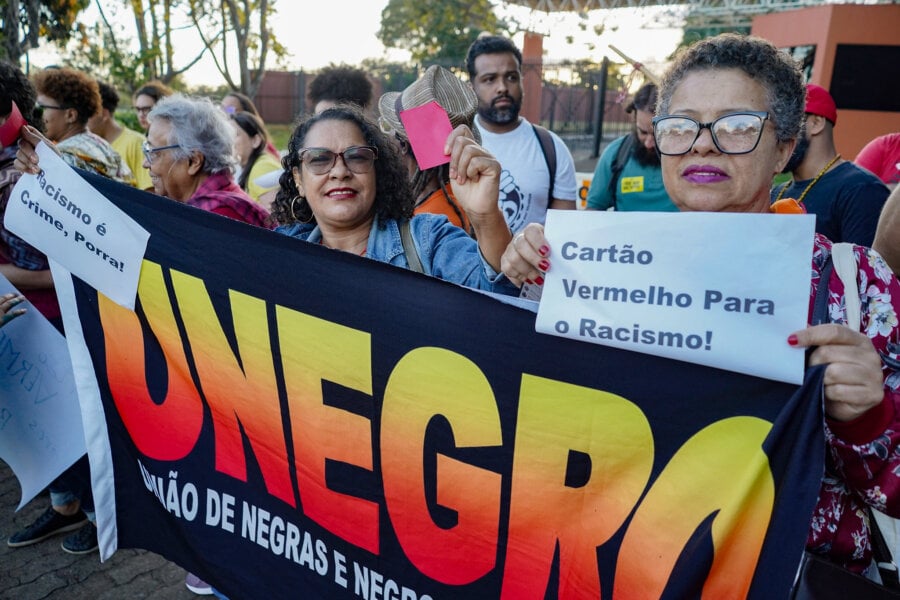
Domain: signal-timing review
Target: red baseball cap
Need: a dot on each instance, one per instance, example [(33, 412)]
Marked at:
[(819, 102)]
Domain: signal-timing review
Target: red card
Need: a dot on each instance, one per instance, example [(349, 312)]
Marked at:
[(9, 131), (427, 128)]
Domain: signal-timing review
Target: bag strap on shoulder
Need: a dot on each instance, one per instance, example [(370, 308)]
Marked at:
[(548, 148), (409, 248), (618, 165)]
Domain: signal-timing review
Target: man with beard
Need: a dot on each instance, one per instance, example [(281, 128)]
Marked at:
[(628, 175), (495, 70), (846, 199)]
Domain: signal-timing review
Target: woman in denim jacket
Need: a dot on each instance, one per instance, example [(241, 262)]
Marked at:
[(345, 187)]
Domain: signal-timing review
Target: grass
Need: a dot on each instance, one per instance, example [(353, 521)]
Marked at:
[(280, 134)]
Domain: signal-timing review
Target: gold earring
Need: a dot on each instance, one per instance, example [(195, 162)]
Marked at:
[(293, 201)]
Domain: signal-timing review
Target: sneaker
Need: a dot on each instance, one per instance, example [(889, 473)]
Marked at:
[(83, 541), (197, 585), (50, 523)]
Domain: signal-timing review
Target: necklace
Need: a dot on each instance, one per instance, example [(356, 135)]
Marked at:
[(811, 183)]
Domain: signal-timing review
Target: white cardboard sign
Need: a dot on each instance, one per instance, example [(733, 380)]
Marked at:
[(61, 215), (40, 418), (718, 289)]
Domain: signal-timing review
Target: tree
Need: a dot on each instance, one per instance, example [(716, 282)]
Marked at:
[(438, 31), (155, 21), (244, 25), (393, 76), (107, 50), (24, 23)]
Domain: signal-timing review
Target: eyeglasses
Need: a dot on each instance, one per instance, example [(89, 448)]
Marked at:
[(359, 159), (40, 108), (142, 110), (734, 133), (149, 150)]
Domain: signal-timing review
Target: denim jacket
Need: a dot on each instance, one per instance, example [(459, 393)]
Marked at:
[(446, 251)]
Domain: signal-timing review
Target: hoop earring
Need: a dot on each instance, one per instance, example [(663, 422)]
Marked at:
[(293, 201)]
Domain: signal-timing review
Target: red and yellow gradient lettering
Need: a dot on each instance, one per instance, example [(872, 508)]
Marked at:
[(314, 350), (242, 394), (727, 460), (554, 419), (164, 431), (428, 382)]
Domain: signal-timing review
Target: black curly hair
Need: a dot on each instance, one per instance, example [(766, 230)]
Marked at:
[(72, 89), (15, 87), (341, 84), (109, 97), (393, 199)]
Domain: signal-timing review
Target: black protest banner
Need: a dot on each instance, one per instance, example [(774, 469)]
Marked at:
[(286, 420)]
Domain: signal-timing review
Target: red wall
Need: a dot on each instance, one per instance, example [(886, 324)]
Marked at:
[(826, 27)]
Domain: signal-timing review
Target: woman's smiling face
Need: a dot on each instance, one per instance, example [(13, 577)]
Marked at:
[(340, 198)]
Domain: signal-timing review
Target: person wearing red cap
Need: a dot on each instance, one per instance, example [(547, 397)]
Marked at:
[(846, 199), (882, 157)]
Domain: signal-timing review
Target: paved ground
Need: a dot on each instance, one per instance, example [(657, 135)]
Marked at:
[(44, 571)]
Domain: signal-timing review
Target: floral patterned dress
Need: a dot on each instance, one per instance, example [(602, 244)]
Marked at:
[(862, 465)]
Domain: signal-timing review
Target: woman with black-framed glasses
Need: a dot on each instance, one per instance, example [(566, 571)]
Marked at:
[(729, 113), (66, 99)]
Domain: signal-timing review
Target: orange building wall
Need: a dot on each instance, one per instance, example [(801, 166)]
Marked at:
[(826, 27), (532, 71)]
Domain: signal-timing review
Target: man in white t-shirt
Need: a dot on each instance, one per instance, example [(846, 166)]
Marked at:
[(526, 190)]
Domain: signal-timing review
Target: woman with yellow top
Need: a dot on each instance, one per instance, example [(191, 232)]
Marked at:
[(250, 149)]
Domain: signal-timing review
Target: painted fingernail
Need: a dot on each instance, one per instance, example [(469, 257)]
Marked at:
[(544, 250), (793, 340), (529, 281), (539, 280), (544, 265)]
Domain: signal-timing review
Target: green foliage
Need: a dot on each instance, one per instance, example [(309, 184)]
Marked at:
[(97, 52), (214, 92), (394, 76), (693, 32), (126, 116), (438, 31), (37, 20), (280, 134)]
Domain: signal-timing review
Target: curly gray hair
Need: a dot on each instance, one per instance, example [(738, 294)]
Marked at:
[(198, 125), (759, 59)]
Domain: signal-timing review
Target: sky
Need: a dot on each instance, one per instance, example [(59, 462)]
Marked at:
[(316, 38)]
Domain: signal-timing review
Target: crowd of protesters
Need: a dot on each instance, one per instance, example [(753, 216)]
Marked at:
[(349, 180)]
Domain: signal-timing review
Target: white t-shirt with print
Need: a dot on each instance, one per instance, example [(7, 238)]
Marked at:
[(525, 180)]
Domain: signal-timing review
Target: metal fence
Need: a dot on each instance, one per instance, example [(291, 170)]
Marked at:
[(575, 103), (585, 106)]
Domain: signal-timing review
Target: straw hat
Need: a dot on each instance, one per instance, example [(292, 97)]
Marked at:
[(437, 84)]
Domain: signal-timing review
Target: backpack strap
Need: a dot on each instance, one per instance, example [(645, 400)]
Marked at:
[(618, 165), (548, 148), (409, 248)]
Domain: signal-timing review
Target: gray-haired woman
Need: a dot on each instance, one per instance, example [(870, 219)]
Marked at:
[(189, 152), (190, 155)]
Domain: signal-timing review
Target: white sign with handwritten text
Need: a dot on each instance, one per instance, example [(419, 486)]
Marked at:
[(61, 215), (723, 290), (40, 418)]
